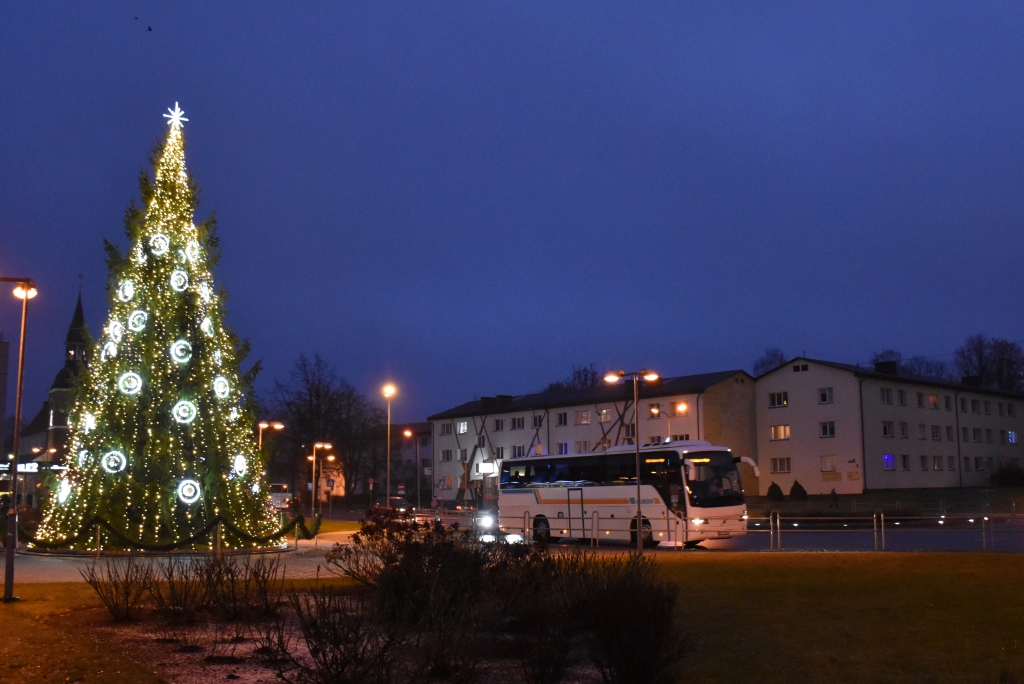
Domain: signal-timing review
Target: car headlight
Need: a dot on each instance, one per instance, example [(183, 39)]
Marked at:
[(486, 521)]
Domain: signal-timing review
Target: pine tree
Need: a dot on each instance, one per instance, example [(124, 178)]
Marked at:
[(161, 440)]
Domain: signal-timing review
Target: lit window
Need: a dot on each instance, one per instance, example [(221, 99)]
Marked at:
[(583, 417), (933, 401), (780, 432), (888, 461), (828, 428), (603, 415), (778, 399), (937, 462), (780, 465), (653, 411), (681, 408), (824, 395), (582, 447), (463, 427), (538, 449), (1011, 436), (828, 464)]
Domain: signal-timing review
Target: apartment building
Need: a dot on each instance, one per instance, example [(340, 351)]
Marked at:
[(472, 440), (838, 426)]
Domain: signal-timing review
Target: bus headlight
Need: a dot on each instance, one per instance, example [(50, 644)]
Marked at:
[(698, 521), (486, 521)]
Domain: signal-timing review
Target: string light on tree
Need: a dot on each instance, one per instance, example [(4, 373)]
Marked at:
[(167, 340)]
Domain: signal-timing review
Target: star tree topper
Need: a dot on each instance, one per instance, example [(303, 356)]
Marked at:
[(175, 117)]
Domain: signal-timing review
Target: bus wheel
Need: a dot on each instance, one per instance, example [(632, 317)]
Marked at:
[(541, 530), (648, 534)]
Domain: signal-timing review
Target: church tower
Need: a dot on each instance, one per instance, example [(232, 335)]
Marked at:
[(76, 345)]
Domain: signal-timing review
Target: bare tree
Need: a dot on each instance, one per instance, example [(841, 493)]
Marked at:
[(770, 360), (971, 357), (915, 366), (581, 377), (994, 362)]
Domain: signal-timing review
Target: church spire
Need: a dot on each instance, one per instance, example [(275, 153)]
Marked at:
[(78, 335)]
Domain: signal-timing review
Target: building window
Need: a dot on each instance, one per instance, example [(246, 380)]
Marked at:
[(538, 449), (988, 408), (462, 427), (446, 429), (963, 405), (977, 434), (1001, 409), (654, 439), (901, 397), (936, 432), (446, 455), (952, 462), (424, 441), (828, 464), (887, 428), (904, 430), (975, 406), (778, 399), (888, 461), (561, 419), (582, 447), (603, 415), (780, 465), (949, 404), (967, 464), (824, 395), (827, 428), (563, 448), (1010, 410), (685, 437), (979, 463), (499, 452), (1002, 436), (905, 462), (933, 401), (653, 411), (499, 424), (920, 400), (602, 444), (922, 430), (583, 417), (988, 436), (798, 369), (681, 408), (481, 442), (949, 433), (463, 456), (937, 462), (630, 430), (966, 435), (1011, 436), (780, 432), (518, 451), (518, 423), (886, 395), (538, 422), (924, 464)]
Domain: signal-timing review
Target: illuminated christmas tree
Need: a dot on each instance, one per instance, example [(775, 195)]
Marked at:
[(161, 440)]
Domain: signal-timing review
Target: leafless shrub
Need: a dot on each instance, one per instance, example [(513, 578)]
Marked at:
[(178, 591), (273, 640), (122, 586)]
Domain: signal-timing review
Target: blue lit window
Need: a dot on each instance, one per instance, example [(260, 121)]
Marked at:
[(889, 461), (1012, 436)]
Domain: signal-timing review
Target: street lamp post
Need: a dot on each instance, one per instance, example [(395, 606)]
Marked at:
[(312, 483), (419, 475), (25, 290), (650, 376), (389, 391), (263, 425)]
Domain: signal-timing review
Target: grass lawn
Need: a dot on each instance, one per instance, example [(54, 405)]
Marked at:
[(852, 617), (753, 617), (338, 526)]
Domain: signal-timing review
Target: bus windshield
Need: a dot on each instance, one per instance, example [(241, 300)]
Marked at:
[(712, 480)]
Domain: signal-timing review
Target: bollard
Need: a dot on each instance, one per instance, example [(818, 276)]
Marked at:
[(97, 541), (882, 519)]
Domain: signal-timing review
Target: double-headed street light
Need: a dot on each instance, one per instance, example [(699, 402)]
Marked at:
[(25, 290), (263, 425), (419, 474), (649, 376), (389, 391), (313, 488)]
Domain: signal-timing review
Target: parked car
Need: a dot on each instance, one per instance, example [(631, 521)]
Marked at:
[(398, 503)]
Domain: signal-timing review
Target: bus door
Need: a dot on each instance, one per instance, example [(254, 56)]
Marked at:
[(576, 519)]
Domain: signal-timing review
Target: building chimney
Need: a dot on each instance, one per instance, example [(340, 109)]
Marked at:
[(887, 367)]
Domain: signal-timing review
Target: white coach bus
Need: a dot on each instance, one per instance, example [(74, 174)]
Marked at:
[(690, 492)]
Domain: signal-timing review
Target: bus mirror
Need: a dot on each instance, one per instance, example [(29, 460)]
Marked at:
[(750, 462), (691, 470)]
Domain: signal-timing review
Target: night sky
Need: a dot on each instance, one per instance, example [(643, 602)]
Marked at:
[(467, 198)]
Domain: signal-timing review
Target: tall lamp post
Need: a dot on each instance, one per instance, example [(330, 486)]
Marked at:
[(25, 290), (263, 425), (419, 475), (649, 376), (389, 391), (312, 483)]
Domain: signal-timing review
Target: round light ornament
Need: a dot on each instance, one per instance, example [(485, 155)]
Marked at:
[(129, 383), (207, 327), (218, 358), (188, 491), (114, 462), (83, 458), (63, 491), (233, 415), (115, 330), (179, 281), (255, 488), (206, 292), (139, 255), (221, 387), (159, 244), (137, 320), (88, 423), (109, 351), (192, 250), (181, 351), (239, 466), (126, 291), (184, 411)]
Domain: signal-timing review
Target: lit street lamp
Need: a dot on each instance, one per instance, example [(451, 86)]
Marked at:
[(25, 290), (419, 475), (649, 376), (389, 391), (263, 425), (312, 483)]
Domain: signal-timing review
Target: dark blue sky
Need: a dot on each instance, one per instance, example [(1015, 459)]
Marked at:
[(468, 198)]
